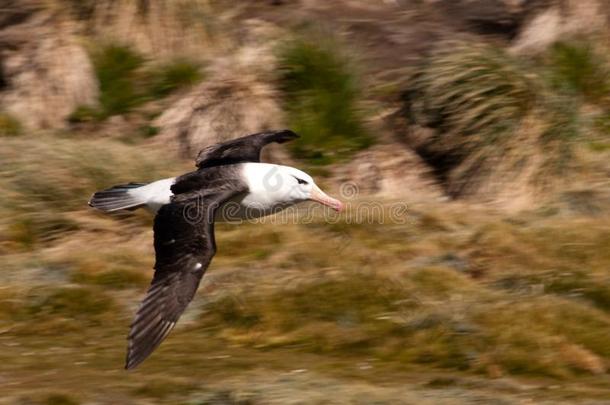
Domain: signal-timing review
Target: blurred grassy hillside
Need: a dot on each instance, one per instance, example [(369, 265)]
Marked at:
[(496, 292)]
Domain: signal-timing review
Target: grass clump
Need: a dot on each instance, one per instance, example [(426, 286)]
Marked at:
[(85, 113), (69, 302), (531, 337), (60, 399), (42, 192), (30, 229), (492, 114), (127, 82), (173, 76), (117, 268), (579, 68), (117, 279), (365, 314), (9, 125), (321, 99), (326, 315), (116, 67)]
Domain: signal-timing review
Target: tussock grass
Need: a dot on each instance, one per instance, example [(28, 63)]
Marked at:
[(523, 299), (582, 68), (116, 68), (450, 289), (117, 279), (115, 269), (475, 90), (75, 303), (57, 176), (493, 114), (321, 99), (60, 399), (9, 125), (173, 76), (431, 317), (49, 311)]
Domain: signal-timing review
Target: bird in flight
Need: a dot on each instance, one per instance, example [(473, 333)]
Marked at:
[(230, 183)]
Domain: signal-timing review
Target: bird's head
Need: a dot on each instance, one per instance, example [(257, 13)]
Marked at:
[(302, 187), (290, 186)]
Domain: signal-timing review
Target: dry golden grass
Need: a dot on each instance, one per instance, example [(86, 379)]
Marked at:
[(435, 309), (454, 290), (469, 293)]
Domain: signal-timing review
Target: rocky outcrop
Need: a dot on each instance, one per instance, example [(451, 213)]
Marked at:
[(160, 29), (497, 17), (44, 72), (391, 171), (561, 19), (236, 99), (216, 111), (531, 25)]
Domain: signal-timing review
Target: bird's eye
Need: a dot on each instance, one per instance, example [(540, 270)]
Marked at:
[(301, 181)]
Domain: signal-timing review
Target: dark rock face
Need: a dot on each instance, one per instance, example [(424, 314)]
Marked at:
[(497, 17), (503, 18)]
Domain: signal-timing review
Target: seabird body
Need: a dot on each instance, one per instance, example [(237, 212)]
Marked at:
[(229, 184), (270, 189)]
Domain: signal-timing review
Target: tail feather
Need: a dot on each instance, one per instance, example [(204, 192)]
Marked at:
[(117, 198)]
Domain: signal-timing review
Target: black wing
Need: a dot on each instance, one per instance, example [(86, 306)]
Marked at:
[(184, 247), (245, 149)]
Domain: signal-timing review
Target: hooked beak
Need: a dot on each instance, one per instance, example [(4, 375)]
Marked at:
[(324, 199)]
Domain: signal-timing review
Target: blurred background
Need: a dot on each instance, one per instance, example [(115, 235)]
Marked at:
[(489, 119)]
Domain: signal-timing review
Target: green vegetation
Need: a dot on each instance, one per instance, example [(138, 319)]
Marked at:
[(75, 303), (580, 68), (477, 92), (118, 279), (117, 68), (116, 269), (173, 76), (85, 113), (493, 114), (475, 293), (9, 126), (401, 320), (60, 399), (321, 99), (127, 81), (444, 303)]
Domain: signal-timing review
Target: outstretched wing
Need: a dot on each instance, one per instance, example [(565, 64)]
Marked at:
[(245, 149), (184, 247)]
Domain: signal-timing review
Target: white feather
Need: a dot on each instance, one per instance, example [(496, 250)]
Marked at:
[(154, 195)]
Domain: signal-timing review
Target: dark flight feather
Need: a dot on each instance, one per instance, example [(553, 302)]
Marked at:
[(240, 150), (184, 247)]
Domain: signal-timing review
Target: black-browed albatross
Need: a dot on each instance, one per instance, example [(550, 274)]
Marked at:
[(230, 181)]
